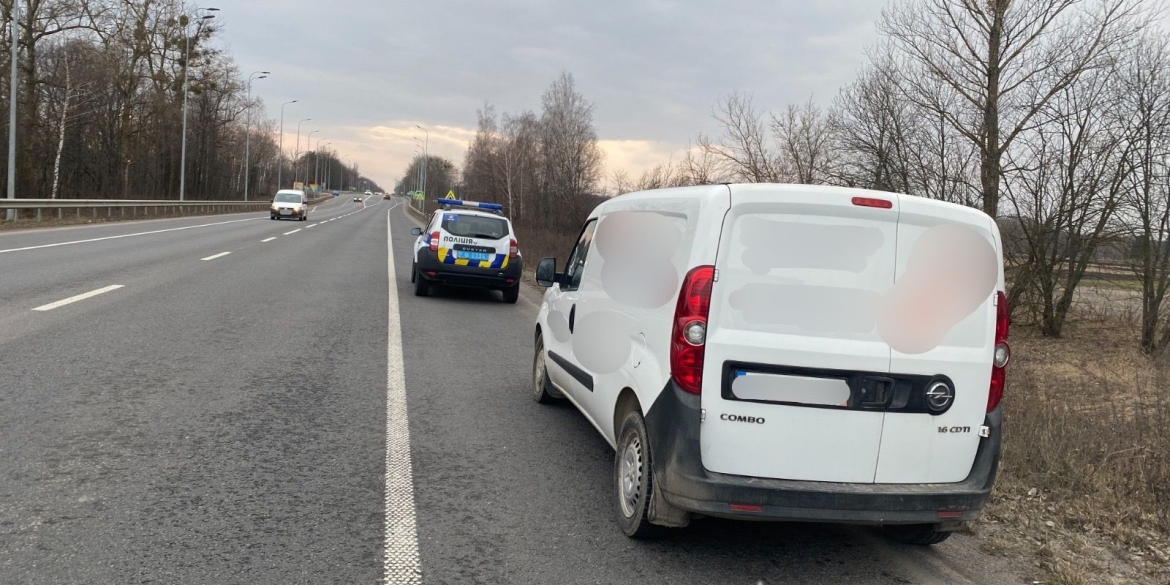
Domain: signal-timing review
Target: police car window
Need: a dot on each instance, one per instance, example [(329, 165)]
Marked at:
[(474, 226), (576, 267)]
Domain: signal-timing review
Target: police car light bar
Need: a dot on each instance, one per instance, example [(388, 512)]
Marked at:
[(476, 204)]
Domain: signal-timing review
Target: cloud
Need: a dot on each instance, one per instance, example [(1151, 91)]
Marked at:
[(367, 71)]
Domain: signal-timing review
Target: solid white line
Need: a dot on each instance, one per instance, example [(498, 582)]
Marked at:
[(400, 564), (213, 257), (268, 240), (190, 227), (80, 297), (292, 232)]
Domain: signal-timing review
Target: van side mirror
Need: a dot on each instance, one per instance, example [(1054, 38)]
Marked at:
[(546, 272), (416, 231)]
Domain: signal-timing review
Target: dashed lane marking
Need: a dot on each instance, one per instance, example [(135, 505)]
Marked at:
[(80, 297), (214, 256)]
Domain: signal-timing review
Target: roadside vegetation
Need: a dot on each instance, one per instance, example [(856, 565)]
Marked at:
[(1052, 116), (100, 103)]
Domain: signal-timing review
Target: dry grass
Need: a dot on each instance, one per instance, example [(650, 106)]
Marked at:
[(1084, 487)]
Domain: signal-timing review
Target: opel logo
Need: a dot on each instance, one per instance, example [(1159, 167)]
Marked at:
[(939, 396)]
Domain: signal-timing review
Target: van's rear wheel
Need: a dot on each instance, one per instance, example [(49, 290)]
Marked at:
[(916, 534), (633, 481), (540, 385)]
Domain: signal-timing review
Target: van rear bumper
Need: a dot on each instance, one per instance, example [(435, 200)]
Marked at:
[(672, 424)]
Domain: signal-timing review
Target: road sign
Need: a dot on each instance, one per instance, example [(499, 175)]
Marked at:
[(450, 194)]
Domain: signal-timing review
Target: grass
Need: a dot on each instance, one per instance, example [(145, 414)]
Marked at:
[(1084, 484)]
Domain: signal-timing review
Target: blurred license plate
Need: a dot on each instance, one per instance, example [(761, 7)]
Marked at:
[(285, 211), (479, 256)]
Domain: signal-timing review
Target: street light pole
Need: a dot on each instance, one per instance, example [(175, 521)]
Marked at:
[(308, 141), (280, 165), (248, 131), (12, 108), (297, 152), (426, 158), (186, 82), (317, 161)]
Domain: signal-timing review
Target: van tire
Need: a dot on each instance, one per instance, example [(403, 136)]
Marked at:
[(915, 534), (511, 294), (633, 483), (541, 388), (421, 287)]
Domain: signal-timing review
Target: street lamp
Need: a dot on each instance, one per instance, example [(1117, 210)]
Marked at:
[(186, 81), (426, 158), (12, 108), (280, 166), (308, 141), (297, 152), (317, 162), (248, 130)]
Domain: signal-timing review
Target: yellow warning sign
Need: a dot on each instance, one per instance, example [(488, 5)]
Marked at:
[(450, 194)]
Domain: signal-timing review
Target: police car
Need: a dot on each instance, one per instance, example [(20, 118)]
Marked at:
[(467, 243)]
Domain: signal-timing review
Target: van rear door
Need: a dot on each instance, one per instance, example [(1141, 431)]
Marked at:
[(794, 363), (948, 272)]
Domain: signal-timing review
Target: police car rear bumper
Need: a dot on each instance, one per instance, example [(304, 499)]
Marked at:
[(672, 426), (432, 270)]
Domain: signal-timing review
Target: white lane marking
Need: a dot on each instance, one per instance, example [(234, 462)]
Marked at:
[(80, 297), (214, 256), (309, 226), (267, 240), (190, 227), (292, 232), (400, 565)]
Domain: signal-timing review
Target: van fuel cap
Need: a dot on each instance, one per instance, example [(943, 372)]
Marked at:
[(939, 396)]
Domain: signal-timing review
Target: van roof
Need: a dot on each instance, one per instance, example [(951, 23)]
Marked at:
[(720, 189)]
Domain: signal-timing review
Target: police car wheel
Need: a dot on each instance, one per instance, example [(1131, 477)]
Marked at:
[(540, 384), (633, 481), (915, 534), (511, 294), (422, 288), (413, 271)]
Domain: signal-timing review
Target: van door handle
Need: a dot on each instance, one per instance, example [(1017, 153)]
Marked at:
[(572, 317)]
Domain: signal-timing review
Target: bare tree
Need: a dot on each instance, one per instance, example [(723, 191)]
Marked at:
[(1146, 209), (743, 152), (1003, 61), (805, 139), (1067, 177)]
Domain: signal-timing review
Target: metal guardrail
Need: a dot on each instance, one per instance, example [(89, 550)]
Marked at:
[(134, 205)]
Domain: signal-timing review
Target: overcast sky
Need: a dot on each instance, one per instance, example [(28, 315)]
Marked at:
[(368, 71)]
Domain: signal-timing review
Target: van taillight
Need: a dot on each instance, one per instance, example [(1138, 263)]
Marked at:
[(873, 202), (513, 249), (1002, 354), (434, 241), (689, 338)]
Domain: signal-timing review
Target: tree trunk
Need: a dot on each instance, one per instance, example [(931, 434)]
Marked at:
[(990, 152)]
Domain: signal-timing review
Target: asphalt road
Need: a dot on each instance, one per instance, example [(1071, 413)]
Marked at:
[(223, 419)]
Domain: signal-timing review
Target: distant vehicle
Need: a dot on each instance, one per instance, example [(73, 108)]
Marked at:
[(357, 199), (385, 196), (467, 244), (369, 194), (290, 204), (784, 352), (336, 193)]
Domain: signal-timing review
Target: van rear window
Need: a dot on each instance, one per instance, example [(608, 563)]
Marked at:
[(474, 226)]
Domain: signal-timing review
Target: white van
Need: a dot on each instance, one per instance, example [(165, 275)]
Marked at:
[(784, 352)]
